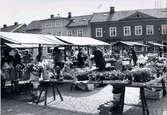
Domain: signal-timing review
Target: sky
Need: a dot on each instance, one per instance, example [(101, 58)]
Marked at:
[(24, 11)]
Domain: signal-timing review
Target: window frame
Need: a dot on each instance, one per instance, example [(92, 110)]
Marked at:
[(164, 29), (114, 30), (80, 33), (128, 28), (99, 32), (150, 28), (137, 32), (69, 33)]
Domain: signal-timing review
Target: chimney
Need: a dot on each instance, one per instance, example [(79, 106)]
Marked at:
[(51, 16), (69, 15), (4, 26), (15, 23), (112, 10)]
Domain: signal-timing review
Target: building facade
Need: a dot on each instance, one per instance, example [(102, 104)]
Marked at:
[(146, 25), (62, 26), (80, 26)]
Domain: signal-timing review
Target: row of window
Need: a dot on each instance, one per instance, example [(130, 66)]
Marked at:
[(51, 24), (78, 33), (69, 33), (127, 30)]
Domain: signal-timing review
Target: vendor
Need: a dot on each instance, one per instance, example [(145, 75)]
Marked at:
[(16, 58), (99, 59), (81, 58), (27, 58), (58, 60)]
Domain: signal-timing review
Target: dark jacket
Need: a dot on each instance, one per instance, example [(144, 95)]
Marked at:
[(134, 57), (99, 59), (16, 60), (81, 59)]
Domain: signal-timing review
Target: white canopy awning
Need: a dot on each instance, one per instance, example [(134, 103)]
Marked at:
[(156, 44), (130, 43), (24, 38), (82, 41), (22, 45)]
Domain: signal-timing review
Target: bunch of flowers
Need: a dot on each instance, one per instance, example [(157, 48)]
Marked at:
[(107, 75), (142, 74), (34, 67), (20, 66)]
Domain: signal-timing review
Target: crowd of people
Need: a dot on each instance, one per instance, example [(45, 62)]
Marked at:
[(13, 59), (11, 63)]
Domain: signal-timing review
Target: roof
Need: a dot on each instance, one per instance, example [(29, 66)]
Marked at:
[(35, 25), (14, 28), (156, 44), (80, 21), (130, 43), (83, 41), (118, 15), (23, 38)]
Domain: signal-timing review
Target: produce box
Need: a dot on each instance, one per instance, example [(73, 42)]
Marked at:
[(84, 85), (153, 94), (90, 87)]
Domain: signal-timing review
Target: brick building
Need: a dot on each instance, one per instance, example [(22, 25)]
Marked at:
[(141, 25)]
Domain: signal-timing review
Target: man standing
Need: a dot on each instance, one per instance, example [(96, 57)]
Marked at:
[(81, 58), (99, 59), (134, 56)]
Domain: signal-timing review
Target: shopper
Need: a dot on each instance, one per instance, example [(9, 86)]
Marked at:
[(124, 53), (160, 52), (134, 56), (39, 56), (99, 59)]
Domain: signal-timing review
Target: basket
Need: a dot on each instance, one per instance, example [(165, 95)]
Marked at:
[(153, 95)]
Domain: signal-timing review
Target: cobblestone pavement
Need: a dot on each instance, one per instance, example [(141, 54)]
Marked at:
[(16, 106)]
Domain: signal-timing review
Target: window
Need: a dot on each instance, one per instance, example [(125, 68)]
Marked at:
[(69, 33), (79, 33), (164, 29), (127, 31), (57, 22), (149, 29), (138, 30), (112, 31), (99, 32)]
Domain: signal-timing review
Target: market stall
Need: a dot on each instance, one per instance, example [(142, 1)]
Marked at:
[(45, 74), (33, 41), (155, 47), (139, 47), (20, 40), (148, 77)]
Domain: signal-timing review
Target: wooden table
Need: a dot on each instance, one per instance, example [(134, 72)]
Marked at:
[(46, 84), (124, 84)]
